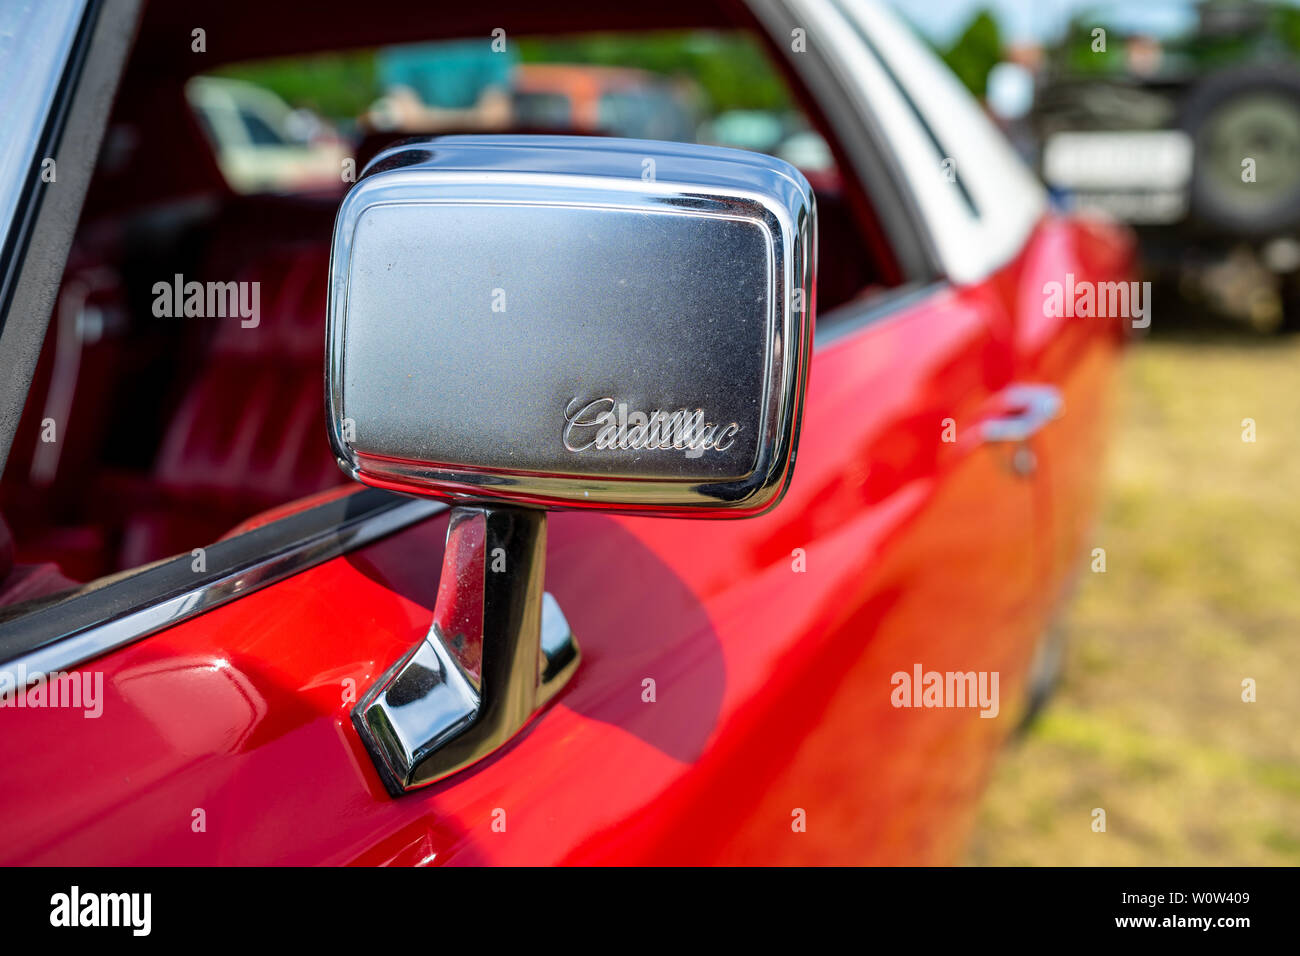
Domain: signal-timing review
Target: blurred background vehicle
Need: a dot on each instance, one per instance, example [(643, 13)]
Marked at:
[(1179, 117), (1189, 129), (261, 143), (610, 100)]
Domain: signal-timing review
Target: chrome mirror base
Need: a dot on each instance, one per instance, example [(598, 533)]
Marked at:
[(499, 649)]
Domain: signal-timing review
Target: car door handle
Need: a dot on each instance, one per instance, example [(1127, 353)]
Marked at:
[(1032, 407)]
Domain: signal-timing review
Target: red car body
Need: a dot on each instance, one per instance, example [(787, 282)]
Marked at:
[(770, 643)]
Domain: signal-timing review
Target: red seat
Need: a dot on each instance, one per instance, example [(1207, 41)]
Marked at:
[(249, 433)]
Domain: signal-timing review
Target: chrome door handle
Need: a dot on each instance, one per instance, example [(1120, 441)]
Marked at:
[(1034, 406)]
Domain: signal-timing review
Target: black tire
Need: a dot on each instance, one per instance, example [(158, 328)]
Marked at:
[(1271, 128)]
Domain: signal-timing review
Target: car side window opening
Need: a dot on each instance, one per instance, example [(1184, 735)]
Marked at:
[(178, 392)]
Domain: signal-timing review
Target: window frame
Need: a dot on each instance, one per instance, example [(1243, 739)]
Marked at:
[(980, 219)]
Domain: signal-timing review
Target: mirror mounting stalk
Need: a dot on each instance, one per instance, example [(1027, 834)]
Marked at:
[(498, 651)]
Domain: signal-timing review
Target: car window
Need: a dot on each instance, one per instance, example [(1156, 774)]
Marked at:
[(178, 394)]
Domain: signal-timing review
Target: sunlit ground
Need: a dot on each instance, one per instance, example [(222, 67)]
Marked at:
[(1202, 590)]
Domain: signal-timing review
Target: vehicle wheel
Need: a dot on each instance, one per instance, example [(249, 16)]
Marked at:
[(1248, 113)]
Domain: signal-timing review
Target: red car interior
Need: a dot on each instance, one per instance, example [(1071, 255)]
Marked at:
[(236, 434)]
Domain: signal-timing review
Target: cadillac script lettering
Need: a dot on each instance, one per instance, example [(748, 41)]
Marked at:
[(607, 424)]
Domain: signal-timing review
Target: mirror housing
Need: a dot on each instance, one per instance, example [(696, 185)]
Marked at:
[(573, 322)]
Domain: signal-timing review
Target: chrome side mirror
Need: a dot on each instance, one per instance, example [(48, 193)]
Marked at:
[(519, 323)]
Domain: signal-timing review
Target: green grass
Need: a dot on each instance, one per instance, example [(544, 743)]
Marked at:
[(1202, 590)]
